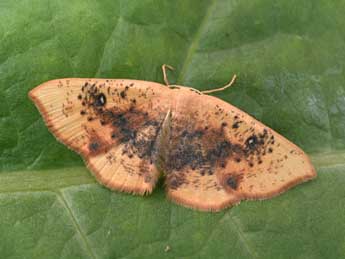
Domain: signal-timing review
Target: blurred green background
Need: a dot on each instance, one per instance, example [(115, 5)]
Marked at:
[(289, 57)]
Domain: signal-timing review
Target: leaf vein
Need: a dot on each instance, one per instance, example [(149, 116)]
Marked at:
[(195, 42), (76, 224)]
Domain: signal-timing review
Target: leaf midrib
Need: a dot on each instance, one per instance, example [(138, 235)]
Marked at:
[(55, 179), (44, 180)]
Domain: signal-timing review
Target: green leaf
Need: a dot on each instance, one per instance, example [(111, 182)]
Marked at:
[(289, 56)]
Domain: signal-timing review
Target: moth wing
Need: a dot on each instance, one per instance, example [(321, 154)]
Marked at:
[(114, 170), (114, 124), (220, 155)]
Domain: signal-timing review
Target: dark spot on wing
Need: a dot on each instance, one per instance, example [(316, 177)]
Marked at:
[(97, 145), (232, 182), (123, 94), (236, 125), (251, 142), (175, 181), (94, 146), (100, 100)]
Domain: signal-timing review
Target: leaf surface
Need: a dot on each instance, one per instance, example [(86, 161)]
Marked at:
[(289, 58)]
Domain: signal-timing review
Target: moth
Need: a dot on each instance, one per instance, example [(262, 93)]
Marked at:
[(131, 132)]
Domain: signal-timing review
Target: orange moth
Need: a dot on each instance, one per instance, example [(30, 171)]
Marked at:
[(130, 132)]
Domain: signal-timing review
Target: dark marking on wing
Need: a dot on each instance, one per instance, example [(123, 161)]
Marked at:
[(232, 182), (132, 127), (208, 149), (205, 148)]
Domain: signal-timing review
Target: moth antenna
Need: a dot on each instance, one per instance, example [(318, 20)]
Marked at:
[(164, 67), (232, 81)]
